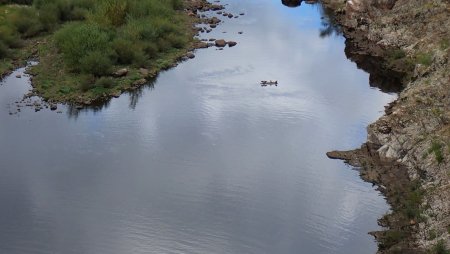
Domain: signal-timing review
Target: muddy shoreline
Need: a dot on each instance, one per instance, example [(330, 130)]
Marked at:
[(403, 46)]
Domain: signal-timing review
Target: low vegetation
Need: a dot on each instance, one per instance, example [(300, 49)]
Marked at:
[(80, 43), (440, 248)]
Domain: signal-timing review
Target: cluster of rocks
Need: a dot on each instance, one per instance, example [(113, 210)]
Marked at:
[(31, 101)]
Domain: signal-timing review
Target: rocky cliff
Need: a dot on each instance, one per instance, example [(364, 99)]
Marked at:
[(405, 44)]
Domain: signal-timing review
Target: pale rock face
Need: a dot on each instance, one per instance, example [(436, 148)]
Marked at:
[(355, 5)]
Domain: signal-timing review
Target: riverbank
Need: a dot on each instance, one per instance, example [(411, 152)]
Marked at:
[(407, 154), (95, 58)]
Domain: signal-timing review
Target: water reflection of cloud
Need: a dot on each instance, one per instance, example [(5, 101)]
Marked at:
[(209, 161)]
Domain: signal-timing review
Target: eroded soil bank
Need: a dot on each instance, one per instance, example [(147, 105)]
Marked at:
[(405, 44)]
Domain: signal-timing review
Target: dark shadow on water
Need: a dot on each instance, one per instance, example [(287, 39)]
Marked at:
[(329, 26), (136, 94), (328, 22), (386, 80), (73, 111)]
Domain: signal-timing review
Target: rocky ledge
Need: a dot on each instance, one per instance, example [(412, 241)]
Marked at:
[(405, 43)]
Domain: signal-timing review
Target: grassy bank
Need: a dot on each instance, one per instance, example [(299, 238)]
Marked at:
[(82, 44)]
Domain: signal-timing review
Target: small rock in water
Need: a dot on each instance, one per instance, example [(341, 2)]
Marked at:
[(220, 43), (190, 55), (18, 76), (231, 43)]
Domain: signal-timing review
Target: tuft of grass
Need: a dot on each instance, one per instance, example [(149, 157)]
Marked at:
[(444, 44), (397, 54), (424, 59), (432, 234), (105, 82), (440, 248), (436, 149)]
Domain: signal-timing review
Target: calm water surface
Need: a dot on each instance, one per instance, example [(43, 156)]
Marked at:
[(206, 161)]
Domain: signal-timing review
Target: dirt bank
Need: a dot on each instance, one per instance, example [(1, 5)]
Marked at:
[(404, 45)]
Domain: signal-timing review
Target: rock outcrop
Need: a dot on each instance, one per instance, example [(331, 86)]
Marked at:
[(410, 40)]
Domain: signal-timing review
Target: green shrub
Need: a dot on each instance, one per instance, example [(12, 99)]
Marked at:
[(177, 41), (65, 90), (424, 59), (391, 238), (48, 17), (96, 63), (436, 149), (151, 49), (125, 51), (105, 82), (397, 54), (111, 12), (78, 40), (177, 4), (4, 51), (26, 21), (9, 37)]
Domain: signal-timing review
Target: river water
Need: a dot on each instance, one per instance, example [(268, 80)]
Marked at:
[(205, 160)]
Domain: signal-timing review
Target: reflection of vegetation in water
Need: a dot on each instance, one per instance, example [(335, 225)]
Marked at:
[(329, 25), (135, 95), (73, 111)]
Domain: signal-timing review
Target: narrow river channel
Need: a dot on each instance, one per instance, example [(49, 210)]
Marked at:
[(205, 160)]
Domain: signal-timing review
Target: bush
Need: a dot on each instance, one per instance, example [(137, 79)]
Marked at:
[(177, 4), (96, 63), (3, 50), (151, 49), (10, 38), (436, 149), (77, 40), (26, 22), (125, 51), (111, 12), (424, 59), (104, 82), (397, 54)]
